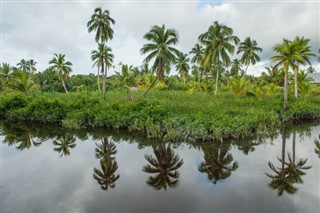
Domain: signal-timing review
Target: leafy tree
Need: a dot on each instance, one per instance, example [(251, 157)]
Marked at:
[(236, 68), (182, 66), (100, 22), (249, 48), (61, 67), (160, 49), (219, 43), (24, 82), (288, 56), (5, 74), (165, 165)]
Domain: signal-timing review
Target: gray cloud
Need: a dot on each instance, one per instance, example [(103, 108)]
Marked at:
[(37, 30)]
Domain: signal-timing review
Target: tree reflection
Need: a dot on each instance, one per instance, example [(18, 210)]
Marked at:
[(64, 143), (165, 165), (290, 172), (317, 143), (106, 176), (218, 163)]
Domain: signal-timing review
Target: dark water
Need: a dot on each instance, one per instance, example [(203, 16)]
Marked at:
[(50, 170)]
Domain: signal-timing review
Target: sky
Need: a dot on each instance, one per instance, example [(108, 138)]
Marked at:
[(37, 29)]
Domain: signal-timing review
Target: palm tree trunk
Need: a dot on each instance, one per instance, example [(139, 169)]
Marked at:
[(283, 146), (247, 68), (285, 90), (105, 83), (152, 83), (296, 83), (294, 147), (99, 79), (217, 77), (63, 84)]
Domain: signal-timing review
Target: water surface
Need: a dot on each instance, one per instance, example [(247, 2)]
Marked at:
[(47, 169)]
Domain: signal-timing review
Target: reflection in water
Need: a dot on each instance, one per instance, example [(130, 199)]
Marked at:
[(19, 135), (165, 165), (317, 143), (247, 145), (64, 143), (218, 163), (106, 177), (290, 172)]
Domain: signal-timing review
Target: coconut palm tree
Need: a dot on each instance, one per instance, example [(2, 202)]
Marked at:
[(218, 163), (64, 143), (249, 48), (106, 149), (61, 67), (305, 52), (182, 66), (160, 49), (5, 74), (100, 22), (24, 82), (288, 56), (236, 68), (23, 65), (165, 165), (31, 66), (219, 43), (197, 51), (239, 86)]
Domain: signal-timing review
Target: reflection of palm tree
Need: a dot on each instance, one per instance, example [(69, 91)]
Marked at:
[(218, 163), (106, 177), (317, 143), (290, 172), (64, 143), (165, 165)]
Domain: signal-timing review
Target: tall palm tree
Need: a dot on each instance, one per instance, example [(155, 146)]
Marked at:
[(160, 49), (165, 164), (61, 67), (23, 65), (219, 43), (288, 56), (106, 149), (64, 143), (5, 74), (249, 48), (236, 68), (100, 22), (197, 51), (182, 66), (218, 163), (305, 52), (101, 58), (31, 66)]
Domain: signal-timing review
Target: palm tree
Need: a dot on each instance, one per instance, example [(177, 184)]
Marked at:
[(160, 49), (24, 82), (218, 41), (218, 163), (305, 52), (239, 86), (249, 48), (106, 149), (100, 22), (23, 65), (5, 74), (106, 177), (64, 143), (165, 164), (288, 56), (31, 66), (317, 143), (236, 68), (182, 66), (61, 67), (197, 51), (126, 77)]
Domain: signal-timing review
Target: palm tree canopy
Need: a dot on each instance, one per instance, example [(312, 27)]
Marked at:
[(60, 66), (101, 23), (182, 65), (303, 49), (160, 46), (249, 48), (218, 44), (197, 51), (101, 56)]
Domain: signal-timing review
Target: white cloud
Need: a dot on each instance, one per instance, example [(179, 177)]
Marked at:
[(38, 30)]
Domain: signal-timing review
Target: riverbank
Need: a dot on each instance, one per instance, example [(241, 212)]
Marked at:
[(169, 115)]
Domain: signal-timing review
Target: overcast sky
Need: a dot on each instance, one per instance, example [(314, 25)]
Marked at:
[(38, 29)]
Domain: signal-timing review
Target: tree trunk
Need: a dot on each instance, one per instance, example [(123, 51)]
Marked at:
[(152, 83), (217, 78), (247, 68), (296, 83), (294, 147), (105, 83), (99, 79), (285, 90), (283, 146), (64, 86)]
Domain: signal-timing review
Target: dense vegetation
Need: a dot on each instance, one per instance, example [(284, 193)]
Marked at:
[(211, 98)]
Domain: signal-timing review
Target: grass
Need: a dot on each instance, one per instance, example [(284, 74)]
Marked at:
[(168, 115)]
